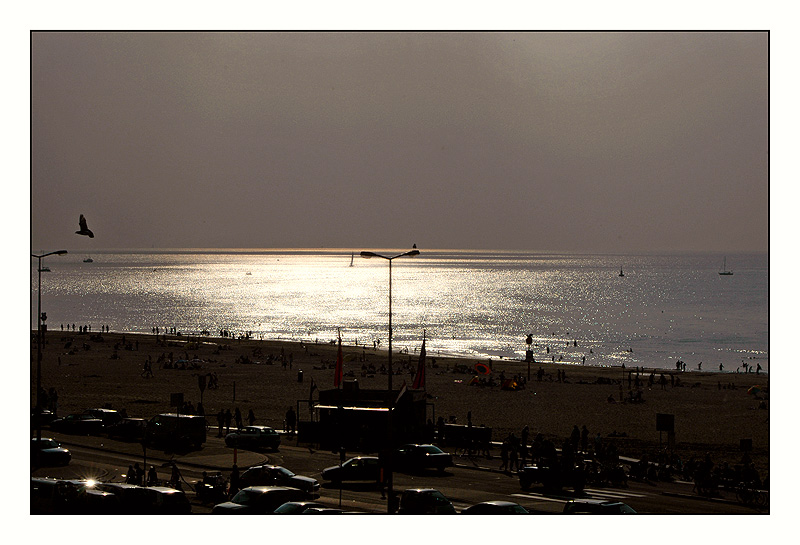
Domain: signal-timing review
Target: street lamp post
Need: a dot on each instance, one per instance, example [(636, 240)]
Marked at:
[(39, 344), (389, 476)]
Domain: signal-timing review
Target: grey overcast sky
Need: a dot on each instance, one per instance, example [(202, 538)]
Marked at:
[(588, 142)]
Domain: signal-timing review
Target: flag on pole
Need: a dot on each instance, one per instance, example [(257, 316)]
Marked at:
[(403, 390), (337, 378), (419, 379)]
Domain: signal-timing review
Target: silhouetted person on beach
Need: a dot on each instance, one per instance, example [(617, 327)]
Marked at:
[(291, 421), (152, 477), (228, 418), (251, 417)]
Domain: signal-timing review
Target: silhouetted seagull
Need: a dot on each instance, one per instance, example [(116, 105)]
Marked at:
[(84, 230)]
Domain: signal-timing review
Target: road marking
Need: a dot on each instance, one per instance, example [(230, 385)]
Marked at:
[(535, 496), (613, 494)]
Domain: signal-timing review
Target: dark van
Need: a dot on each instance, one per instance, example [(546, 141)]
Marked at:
[(176, 430)]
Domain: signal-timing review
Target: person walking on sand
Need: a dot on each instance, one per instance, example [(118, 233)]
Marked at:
[(251, 417), (237, 417), (504, 456), (228, 418), (575, 438), (220, 421), (291, 421), (152, 477)]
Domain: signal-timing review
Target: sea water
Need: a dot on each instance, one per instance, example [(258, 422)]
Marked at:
[(577, 309)]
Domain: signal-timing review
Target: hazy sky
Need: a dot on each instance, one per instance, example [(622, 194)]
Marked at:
[(607, 142)]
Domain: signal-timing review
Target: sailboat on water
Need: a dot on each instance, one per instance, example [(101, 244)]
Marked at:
[(725, 271), (352, 256)]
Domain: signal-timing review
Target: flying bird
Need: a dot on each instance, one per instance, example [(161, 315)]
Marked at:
[(84, 229)]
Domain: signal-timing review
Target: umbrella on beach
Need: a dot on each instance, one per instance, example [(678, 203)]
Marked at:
[(482, 369), (754, 390)]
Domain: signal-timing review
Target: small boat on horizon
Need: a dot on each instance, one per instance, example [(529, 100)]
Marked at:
[(725, 271), (44, 269), (352, 256), (621, 273), (88, 260)]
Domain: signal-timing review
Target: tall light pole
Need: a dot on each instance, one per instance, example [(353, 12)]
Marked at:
[(389, 476), (39, 344)]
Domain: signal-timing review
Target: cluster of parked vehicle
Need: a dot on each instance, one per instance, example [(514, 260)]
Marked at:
[(169, 429), (64, 497)]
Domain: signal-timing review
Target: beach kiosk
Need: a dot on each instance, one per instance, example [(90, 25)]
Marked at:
[(357, 418)]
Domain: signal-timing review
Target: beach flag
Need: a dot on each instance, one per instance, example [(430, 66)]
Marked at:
[(403, 391), (337, 378), (419, 379)]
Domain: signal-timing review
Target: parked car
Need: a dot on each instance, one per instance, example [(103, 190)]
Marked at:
[(323, 511), (49, 452), (259, 500), (296, 507), (131, 499), (46, 497), (420, 457), (79, 424), (109, 417), (42, 419), (167, 501), (212, 489), (71, 497), (267, 475), (551, 478), (360, 468), (176, 430), (128, 429), (425, 501), (597, 507), (495, 508), (254, 438)]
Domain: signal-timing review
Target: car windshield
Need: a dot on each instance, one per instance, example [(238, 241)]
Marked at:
[(283, 472), (518, 509), (47, 443), (431, 449), (245, 497)]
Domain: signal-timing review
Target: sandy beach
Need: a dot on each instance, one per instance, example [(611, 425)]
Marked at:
[(712, 411)]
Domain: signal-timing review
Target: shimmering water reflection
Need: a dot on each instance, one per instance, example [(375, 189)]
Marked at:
[(469, 303)]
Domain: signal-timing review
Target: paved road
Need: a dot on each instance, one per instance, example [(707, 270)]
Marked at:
[(470, 482)]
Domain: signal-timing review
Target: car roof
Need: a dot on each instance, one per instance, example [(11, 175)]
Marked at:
[(594, 501), (497, 502), (119, 485), (266, 488)]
